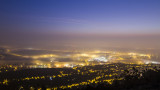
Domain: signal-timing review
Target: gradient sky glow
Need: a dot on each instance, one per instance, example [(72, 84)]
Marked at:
[(81, 16), (80, 23)]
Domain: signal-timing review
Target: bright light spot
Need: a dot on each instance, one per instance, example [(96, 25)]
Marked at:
[(84, 54), (57, 65), (66, 65), (99, 59)]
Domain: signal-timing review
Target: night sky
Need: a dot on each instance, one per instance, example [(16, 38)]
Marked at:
[(77, 17)]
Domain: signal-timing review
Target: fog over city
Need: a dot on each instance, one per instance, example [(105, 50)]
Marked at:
[(83, 40)]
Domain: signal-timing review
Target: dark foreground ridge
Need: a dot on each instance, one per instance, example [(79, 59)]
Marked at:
[(99, 77), (148, 80)]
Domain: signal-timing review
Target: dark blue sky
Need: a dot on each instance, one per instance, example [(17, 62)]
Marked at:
[(81, 16)]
